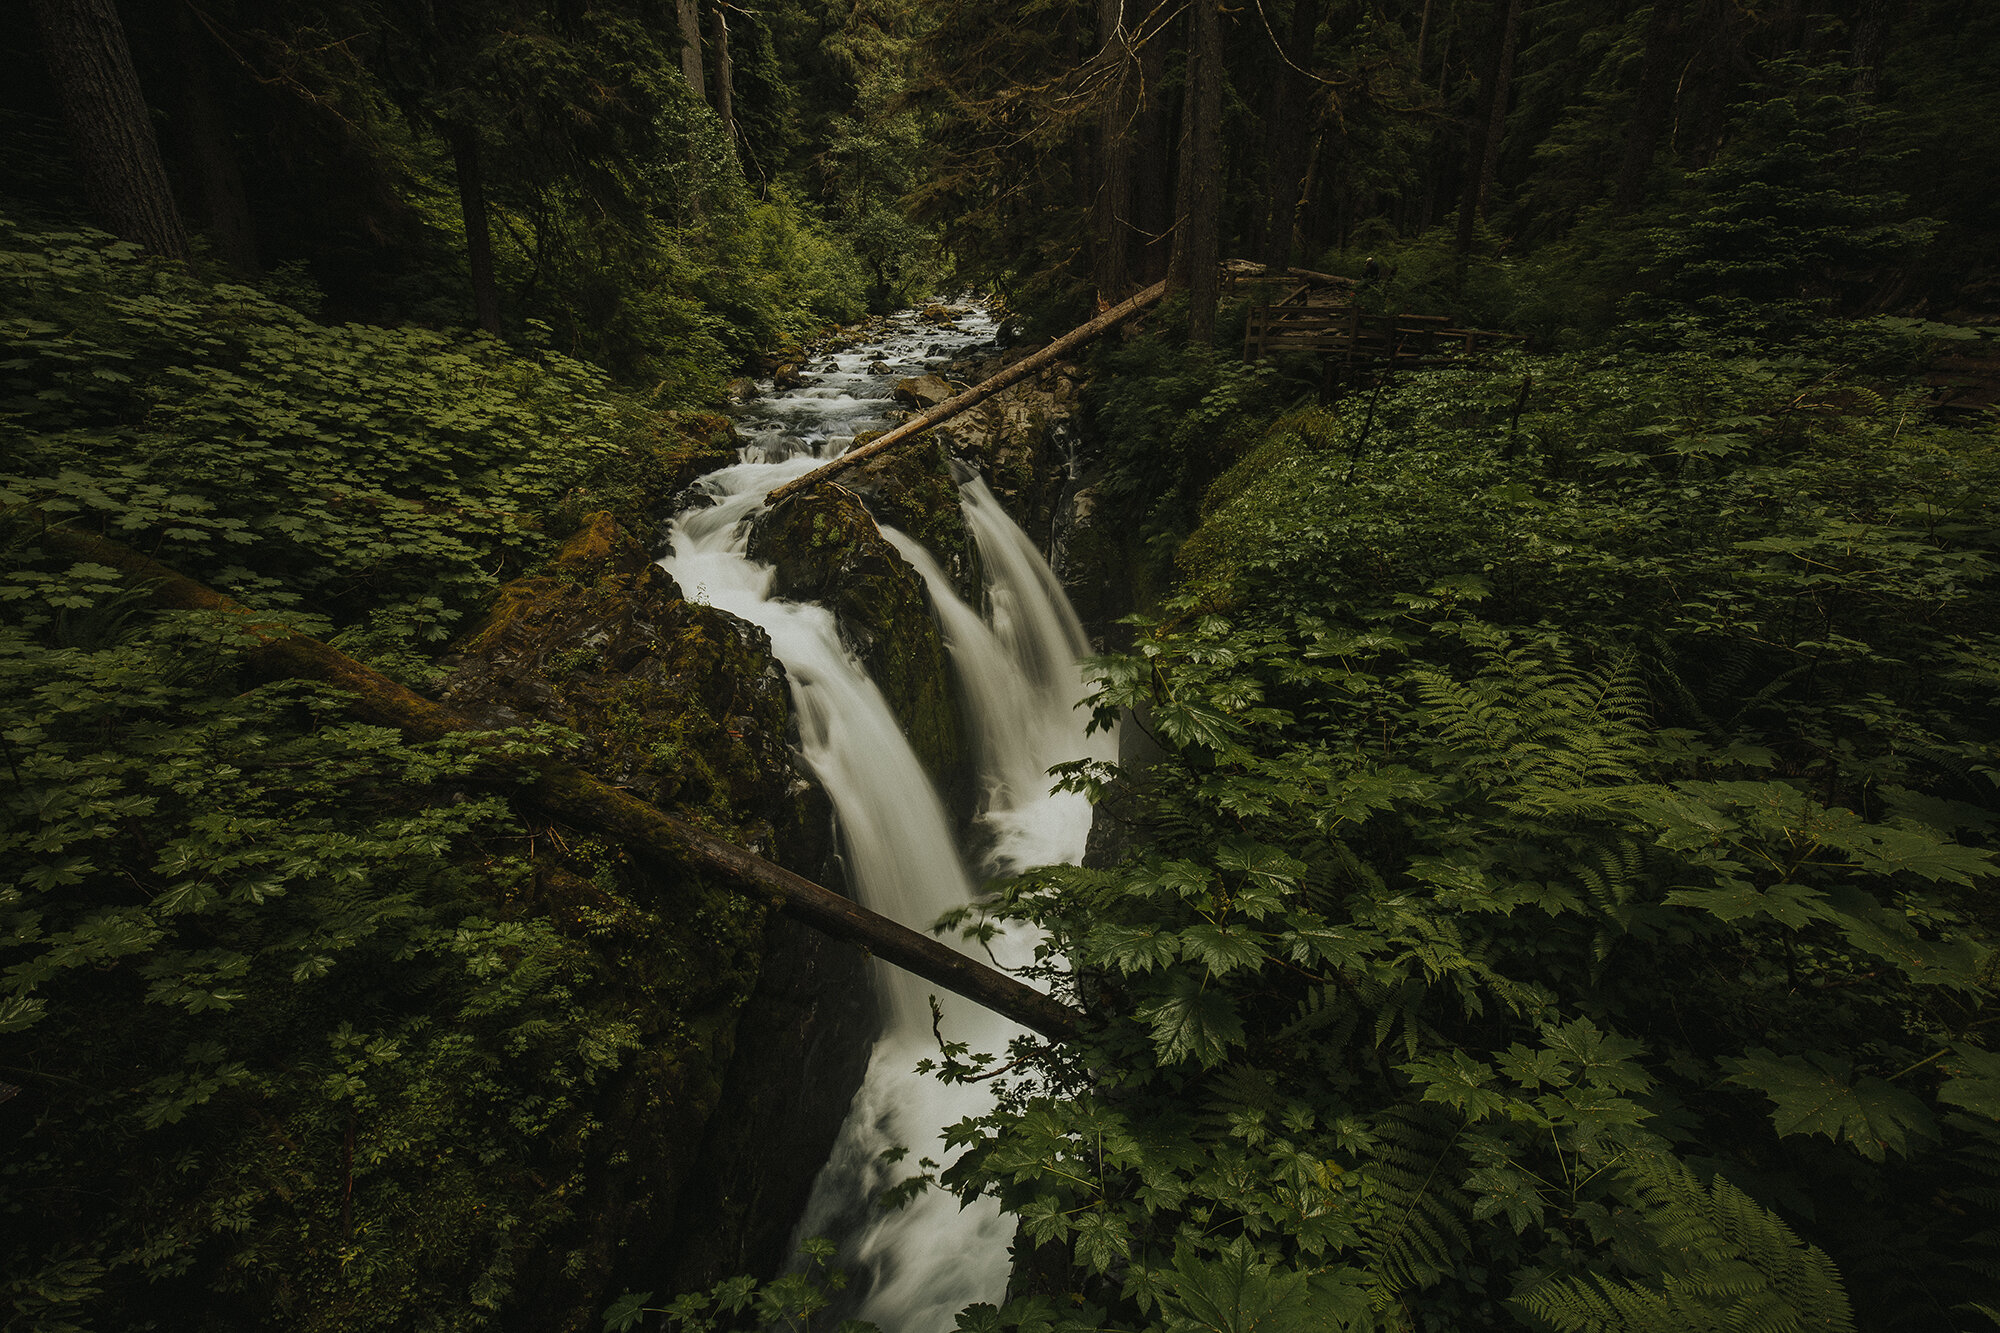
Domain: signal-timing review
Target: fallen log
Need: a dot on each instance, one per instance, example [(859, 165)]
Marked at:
[(575, 797), (978, 393)]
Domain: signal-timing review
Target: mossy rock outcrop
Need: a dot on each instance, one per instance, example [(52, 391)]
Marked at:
[(685, 705), (658, 461), (911, 489), (826, 549)]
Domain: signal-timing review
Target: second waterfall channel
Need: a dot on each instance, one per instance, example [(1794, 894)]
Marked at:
[(1015, 658)]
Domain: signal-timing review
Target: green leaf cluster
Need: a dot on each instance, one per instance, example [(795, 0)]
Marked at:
[(1564, 889), (302, 1024)]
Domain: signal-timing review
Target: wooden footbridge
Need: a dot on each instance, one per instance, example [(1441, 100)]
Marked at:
[(1319, 316)]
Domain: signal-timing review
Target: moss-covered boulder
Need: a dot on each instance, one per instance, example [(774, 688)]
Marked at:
[(827, 549), (683, 703), (911, 488)]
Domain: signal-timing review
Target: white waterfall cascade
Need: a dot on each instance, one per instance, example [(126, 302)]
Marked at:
[(1019, 676)]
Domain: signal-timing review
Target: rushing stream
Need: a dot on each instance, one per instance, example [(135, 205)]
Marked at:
[(1016, 662)]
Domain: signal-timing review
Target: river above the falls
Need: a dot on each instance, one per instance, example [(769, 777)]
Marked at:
[(1015, 657)]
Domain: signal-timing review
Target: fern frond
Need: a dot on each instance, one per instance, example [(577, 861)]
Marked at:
[(1714, 1259), (1414, 1229)]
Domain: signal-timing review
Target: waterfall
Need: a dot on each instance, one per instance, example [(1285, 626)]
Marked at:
[(915, 1267)]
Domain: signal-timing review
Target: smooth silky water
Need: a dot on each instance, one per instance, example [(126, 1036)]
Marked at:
[(1016, 662)]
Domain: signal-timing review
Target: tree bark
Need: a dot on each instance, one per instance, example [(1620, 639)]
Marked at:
[(1111, 269), (478, 228), (1291, 137), (1651, 106), (977, 394), (725, 75), (110, 130), (576, 798), (1153, 163), (211, 151), (1483, 163), (1198, 198), (690, 16)]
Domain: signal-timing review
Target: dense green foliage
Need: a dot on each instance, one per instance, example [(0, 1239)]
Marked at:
[(1805, 156), (299, 1034), (1560, 891), (1564, 891)]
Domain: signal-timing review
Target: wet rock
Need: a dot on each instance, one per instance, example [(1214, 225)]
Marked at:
[(680, 702), (923, 391), (1020, 442), (788, 376), (826, 548), (881, 368), (1098, 566), (802, 1046), (740, 390), (911, 488)]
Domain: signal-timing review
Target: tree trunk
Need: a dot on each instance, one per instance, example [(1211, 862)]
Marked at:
[(1153, 163), (1197, 226), (1651, 106), (574, 797), (690, 16), (1291, 137), (478, 230), (110, 130), (725, 75), (1111, 213), (211, 151), (1483, 163)]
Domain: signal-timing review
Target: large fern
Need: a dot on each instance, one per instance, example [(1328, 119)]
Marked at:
[(1414, 1228), (1703, 1259)]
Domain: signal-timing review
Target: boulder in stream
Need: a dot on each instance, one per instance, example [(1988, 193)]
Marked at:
[(911, 489), (826, 548), (923, 392)]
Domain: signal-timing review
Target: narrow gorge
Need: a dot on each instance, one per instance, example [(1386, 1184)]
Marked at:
[(864, 618)]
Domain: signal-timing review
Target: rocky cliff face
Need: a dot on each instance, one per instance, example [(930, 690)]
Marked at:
[(1019, 439), (683, 704)]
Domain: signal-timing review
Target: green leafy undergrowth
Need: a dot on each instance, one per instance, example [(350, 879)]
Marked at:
[(292, 1036), (301, 1024), (381, 479), (1563, 896)]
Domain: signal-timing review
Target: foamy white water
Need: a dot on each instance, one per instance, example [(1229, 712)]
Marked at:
[(917, 1266)]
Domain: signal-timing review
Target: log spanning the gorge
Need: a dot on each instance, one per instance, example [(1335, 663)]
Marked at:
[(576, 797), (978, 393)]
